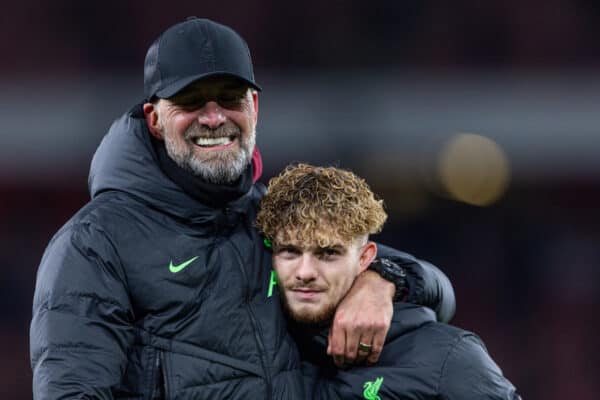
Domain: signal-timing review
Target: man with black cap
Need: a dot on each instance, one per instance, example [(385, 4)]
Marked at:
[(160, 287)]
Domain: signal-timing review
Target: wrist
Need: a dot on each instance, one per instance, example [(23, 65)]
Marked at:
[(394, 274), (379, 284)]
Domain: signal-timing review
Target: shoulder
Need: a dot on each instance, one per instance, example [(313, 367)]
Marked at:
[(80, 250), (416, 340), (469, 372), (106, 215), (456, 361), (84, 228), (453, 345), (450, 333), (466, 348), (80, 271), (103, 223)]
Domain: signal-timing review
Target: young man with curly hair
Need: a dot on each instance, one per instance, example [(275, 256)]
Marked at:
[(318, 220)]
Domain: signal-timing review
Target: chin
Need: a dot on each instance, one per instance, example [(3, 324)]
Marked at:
[(311, 315)]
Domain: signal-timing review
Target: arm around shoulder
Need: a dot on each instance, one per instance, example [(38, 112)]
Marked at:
[(81, 327), (427, 284)]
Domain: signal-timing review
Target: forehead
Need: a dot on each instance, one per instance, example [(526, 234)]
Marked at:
[(313, 245), (316, 239)]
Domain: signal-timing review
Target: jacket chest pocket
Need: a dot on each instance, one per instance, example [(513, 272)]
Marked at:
[(178, 279)]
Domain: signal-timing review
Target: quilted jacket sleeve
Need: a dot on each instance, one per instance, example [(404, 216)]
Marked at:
[(81, 326), (428, 285)]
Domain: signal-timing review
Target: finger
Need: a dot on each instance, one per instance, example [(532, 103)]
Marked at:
[(352, 338), (361, 356), (337, 344), (377, 343), (337, 340), (339, 361), (362, 353)]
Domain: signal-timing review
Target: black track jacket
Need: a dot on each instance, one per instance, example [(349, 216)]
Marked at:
[(422, 359), (147, 293)]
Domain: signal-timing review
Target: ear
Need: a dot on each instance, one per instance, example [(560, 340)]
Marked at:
[(151, 116), (367, 255), (255, 102)]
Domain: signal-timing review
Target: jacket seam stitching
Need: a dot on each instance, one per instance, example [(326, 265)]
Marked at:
[(46, 306), (450, 352), (121, 275), (65, 347), (100, 231)]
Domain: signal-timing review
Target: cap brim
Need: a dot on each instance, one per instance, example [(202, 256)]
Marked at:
[(174, 88)]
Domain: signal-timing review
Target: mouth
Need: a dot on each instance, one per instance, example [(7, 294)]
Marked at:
[(306, 293), (214, 142)]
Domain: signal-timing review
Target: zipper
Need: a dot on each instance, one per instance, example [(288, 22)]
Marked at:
[(157, 378), (257, 331), (163, 370)]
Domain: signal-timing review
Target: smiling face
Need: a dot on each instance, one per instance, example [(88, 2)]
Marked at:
[(208, 127), (314, 279)]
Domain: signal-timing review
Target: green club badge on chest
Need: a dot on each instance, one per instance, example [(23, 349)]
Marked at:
[(372, 388)]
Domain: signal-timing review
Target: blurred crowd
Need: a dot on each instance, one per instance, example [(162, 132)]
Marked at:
[(70, 36)]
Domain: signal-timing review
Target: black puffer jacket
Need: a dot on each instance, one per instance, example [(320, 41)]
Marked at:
[(421, 359), (148, 293), (121, 310)]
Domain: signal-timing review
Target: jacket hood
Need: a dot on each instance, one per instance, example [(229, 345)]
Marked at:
[(126, 161)]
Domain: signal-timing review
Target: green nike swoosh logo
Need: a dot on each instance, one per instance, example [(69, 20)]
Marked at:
[(176, 268)]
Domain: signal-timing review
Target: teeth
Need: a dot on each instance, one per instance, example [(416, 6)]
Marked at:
[(207, 142)]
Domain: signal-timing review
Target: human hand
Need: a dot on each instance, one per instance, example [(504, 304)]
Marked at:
[(363, 316)]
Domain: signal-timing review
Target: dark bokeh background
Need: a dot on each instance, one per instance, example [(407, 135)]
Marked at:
[(382, 88)]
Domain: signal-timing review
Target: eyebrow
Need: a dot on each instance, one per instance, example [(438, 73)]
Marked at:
[(337, 247), (285, 246)]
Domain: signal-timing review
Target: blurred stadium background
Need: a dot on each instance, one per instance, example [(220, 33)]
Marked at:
[(477, 122)]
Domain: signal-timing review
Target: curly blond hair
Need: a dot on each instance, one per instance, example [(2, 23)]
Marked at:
[(319, 205)]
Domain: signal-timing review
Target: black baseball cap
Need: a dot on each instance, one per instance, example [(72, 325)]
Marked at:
[(194, 49)]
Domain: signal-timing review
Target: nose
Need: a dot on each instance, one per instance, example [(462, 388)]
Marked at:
[(306, 270), (211, 115)]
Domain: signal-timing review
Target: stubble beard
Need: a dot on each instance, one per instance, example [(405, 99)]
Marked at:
[(218, 167), (321, 317)]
